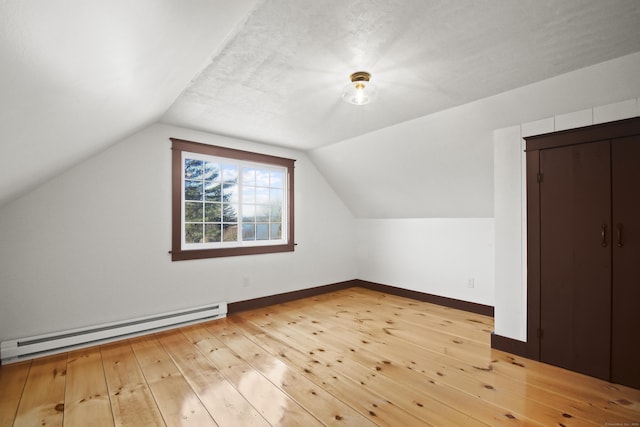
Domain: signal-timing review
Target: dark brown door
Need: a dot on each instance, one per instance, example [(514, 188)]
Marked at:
[(625, 339), (575, 257)]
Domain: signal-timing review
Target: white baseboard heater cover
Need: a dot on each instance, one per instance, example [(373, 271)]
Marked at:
[(42, 345)]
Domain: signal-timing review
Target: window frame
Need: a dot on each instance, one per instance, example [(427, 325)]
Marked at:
[(180, 146)]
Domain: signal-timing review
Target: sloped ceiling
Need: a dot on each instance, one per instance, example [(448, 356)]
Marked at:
[(78, 75)]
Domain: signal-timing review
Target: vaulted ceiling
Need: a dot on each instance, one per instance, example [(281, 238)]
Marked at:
[(79, 75)]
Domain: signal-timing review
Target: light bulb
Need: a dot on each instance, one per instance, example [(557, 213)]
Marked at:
[(360, 95)]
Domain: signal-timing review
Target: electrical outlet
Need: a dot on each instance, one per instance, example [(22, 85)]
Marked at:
[(245, 282), (471, 283)]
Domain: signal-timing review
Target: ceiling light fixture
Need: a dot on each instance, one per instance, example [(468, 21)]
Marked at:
[(360, 91)]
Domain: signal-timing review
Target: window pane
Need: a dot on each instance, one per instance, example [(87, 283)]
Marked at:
[(229, 213), (275, 195), (193, 233), (211, 171), (192, 190), (262, 195), (212, 212), (262, 178), (212, 233), (212, 191), (277, 178), (248, 176), (262, 231), (230, 193), (262, 213), (248, 195), (230, 232), (276, 231), (230, 174), (192, 169), (230, 183), (276, 213), (193, 212), (248, 232), (248, 213)]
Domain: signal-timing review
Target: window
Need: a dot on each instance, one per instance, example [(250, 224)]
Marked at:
[(228, 202)]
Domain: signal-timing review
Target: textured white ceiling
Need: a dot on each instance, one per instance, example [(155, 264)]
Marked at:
[(279, 79)]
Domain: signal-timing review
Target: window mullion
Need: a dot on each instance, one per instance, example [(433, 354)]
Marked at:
[(240, 192)]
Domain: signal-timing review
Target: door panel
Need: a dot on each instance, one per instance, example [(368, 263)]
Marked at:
[(575, 267), (625, 362)]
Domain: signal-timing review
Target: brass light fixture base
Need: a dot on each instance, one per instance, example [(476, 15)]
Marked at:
[(360, 76)]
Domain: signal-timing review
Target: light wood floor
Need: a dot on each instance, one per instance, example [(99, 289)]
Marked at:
[(352, 358)]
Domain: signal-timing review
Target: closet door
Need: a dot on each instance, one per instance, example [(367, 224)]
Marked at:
[(575, 257), (625, 340)]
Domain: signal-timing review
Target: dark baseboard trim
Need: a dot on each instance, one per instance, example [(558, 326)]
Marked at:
[(250, 304), (472, 307), (509, 345)]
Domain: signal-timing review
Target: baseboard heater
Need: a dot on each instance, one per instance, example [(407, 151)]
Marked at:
[(41, 345)]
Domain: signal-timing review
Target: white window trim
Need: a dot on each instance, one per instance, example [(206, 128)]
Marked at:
[(240, 242)]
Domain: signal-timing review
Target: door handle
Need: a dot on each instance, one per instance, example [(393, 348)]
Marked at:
[(603, 236), (619, 235)]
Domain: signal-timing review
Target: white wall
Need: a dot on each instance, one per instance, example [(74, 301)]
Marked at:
[(510, 232), (437, 166), (433, 255), (91, 245)]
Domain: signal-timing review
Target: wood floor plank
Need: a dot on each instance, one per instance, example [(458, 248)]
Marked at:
[(178, 403), (466, 326), (464, 374), (374, 299), (500, 402), (12, 380), (517, 398), (623, 402), (86, 395), (42, 402), (451, 345), (598, 393), (373, 406), (132, 402), (550, 411), (274, 405), (317, 401), (350, 357), (556, 407), (430, 398), (431, 411), (225, 403)]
